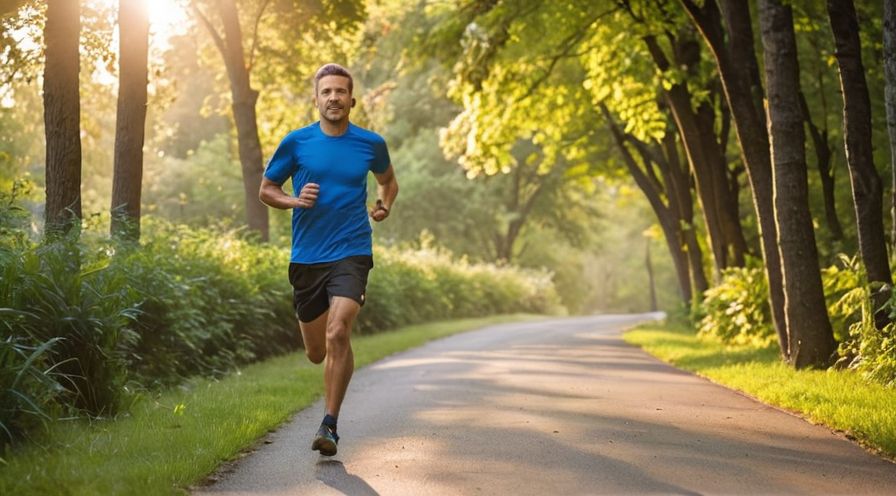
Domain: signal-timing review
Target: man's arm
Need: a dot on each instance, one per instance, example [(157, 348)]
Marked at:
[(386, 191), (272, 195)]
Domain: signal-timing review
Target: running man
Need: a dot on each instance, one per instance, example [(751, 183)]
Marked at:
[(328, 162)]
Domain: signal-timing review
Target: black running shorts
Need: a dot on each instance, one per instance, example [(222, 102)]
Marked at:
[(314, 285)]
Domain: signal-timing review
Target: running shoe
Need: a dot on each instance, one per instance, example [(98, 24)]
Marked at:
[(325, 441)]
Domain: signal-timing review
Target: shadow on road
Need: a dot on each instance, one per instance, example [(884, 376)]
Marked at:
[(333, 474)]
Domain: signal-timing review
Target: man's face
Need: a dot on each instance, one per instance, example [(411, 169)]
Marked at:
[(334, 100)]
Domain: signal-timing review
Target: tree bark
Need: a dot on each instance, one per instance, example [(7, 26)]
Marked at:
[(651, 282), (823, 155), (243, 99), (738, 69), (867, 187), (670, 223), (62, 119), (890, 98), (811, 337), (678, 191), (707, 161), (133, 28)]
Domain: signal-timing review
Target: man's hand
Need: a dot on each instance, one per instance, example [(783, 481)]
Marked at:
[(379, 212), (308, 195)]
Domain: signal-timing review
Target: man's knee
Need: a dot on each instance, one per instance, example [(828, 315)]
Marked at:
[(316, 355), (338, 333)]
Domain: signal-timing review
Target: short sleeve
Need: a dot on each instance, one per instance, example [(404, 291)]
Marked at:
[(283, 164), (380, 156)]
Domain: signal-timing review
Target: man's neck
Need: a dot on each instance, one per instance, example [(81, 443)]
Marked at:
[(337, 128)]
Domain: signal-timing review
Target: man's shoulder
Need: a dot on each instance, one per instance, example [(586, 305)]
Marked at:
[(366, 134), (303, 133)]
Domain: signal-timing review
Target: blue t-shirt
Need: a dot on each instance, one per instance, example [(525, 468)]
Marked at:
[(337, 225)]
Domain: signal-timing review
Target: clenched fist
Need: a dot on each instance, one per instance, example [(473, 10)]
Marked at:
[(308, 195), (379, 212)]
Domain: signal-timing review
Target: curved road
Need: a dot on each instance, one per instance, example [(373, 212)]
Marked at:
[(551, 407)]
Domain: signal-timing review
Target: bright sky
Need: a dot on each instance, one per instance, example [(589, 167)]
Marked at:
[(166, 17)]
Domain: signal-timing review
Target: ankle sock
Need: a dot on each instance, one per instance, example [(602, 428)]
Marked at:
[(330, 421)]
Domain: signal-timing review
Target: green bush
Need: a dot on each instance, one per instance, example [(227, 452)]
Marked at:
[(736, 311), (410, 286), (845, 294), (864, 348), (30, 389), (60, 290), (210, 301)]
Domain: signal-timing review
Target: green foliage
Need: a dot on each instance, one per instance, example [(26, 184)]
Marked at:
[(845, 294), (736, 311), (865, 348), (27, 385), (58, 290), (210, 301), (409, 286)]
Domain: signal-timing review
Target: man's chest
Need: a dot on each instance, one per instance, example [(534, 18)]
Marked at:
[(342, 163)]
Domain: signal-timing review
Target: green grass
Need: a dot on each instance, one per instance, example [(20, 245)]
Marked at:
[(166, 443), (839, 399)]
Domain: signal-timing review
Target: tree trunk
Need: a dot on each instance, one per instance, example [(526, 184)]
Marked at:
[(702, 149), (678, 192), (133, 28), (811, 337), (867, 187), (62, 119), (823, 154), (738, 70), (244, 117), (669, 222), (651, 281), (890, 97)]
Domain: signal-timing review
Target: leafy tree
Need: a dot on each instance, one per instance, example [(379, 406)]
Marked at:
[(693, 97), (229, 41), (732, 47), (866, 182)]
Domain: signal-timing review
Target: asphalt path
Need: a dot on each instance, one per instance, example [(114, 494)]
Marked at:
[(551, 407)]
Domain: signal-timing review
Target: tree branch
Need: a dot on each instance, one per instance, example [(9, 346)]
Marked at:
[(261, 10), (216, 37), (567, 46)]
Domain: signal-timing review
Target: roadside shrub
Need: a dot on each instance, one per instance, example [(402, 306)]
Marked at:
[(30, 392), (417, 285), (737, 310), (864, 348), (211, 301), (845, 294), (58, 290)]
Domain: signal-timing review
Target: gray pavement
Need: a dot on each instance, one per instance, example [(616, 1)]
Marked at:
[(551, 407)]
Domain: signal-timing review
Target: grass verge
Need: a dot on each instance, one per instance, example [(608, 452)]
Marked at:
[(167, 443), (839, 399)]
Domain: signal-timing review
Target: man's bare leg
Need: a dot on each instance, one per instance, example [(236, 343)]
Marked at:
[(340, 361), (314, 337)]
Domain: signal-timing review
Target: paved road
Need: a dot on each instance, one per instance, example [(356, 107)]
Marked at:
[(556, 407)]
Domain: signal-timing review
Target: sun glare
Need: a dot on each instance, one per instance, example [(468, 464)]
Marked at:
[(167, 18)]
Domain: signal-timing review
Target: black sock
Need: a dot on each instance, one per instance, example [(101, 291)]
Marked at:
[(330, 421)]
